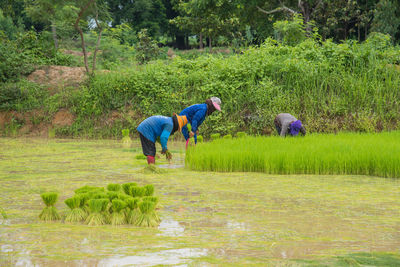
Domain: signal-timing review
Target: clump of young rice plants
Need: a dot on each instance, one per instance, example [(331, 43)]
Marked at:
[(228, 136), (49, 213), (114, 187), (126, 140), (117, 215), (148, 190), (76, 214), (343, 153), (199, 139), (133, 209), (126, 187), (87, 188), (215, 136), (137, 191), (97, 208), (147, 217), (140, 156), (240, 134)]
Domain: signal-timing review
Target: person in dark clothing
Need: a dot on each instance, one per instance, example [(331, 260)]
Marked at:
[(286, 123), (196, 115), (160, 127)]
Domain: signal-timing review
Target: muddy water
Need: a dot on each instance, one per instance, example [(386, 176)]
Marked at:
[(207, 218)]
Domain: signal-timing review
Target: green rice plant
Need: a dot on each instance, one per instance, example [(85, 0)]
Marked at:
[(97, 208), (137, 191), (148, 190), (97, 195), (49, 213), (87, 188), (84, 201), (113, 187), (125, 132), (240, 134), (148, 216), (126, 187), (199, 139), (126, 140), (3, 213), (151, 198), (122, 196), (140, 156), (375, 154), (112, 195), (228, 136), (133, 212), (215, 136), (118, 216), (76, 213)]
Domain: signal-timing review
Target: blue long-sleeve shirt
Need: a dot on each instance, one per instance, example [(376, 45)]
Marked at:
[(157, 126), (195, 115)]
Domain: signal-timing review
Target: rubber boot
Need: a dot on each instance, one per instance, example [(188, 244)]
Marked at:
[(151, 160)]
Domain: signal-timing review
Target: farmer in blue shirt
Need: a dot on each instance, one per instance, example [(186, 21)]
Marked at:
[(156, 127), (286, 123), (196, 115)]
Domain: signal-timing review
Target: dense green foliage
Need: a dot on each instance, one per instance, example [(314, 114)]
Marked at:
[(344, 153)]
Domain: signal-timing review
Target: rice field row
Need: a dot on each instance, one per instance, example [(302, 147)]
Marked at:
[(376, 154)]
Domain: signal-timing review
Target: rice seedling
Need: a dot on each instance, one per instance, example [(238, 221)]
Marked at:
[(126, 140), (76, 214), (140, 156), (344, 153), (84, 201), (148, 216), (199, 139), (240, 134), (133, 212), (49, 213), (148, 190), (97, 208), (97, 195), (228, 136), (137, 191), (3, 213), (113, 187), (126, 187), (151, 198), (121, 196), (87, 188), (215, 136), (112, 195), (117, 215), (152, 169)]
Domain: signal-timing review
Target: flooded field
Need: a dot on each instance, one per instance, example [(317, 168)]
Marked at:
[(208, 219)]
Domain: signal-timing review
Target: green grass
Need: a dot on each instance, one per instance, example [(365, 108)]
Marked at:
[(344, 153)]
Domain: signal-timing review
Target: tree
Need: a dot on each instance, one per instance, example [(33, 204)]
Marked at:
[(386, 19)]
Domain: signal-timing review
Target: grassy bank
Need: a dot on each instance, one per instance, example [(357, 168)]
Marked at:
[(344, 153)]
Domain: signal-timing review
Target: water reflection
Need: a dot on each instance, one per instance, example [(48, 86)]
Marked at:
[(169, 227), (165, 257)]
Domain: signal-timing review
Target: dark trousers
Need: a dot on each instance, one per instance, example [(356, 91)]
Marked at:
[(148, 147)]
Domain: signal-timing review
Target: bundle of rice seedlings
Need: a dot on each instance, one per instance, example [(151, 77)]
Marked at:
[(97, 208), (215, 136), (126, 187), (122, 197), (133, 211), (151, 198), (114, 187), (140, 156), (136, 191), (228, 136), (112, 195), (147, 217), (84, 201), (87, 188), (76, 214), (49, 213), (240, 134), (148, 190), (199, 139), (97, 195), (118, 216)]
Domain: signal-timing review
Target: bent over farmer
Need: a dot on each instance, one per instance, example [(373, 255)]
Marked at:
[(196, 114), (160, 127), (286, 123)]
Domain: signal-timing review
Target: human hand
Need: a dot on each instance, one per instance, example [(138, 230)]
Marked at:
[(168, 155), (191, 134)]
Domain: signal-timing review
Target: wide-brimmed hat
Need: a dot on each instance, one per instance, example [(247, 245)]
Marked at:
[(216, 102), (182, 121), (295, 127)]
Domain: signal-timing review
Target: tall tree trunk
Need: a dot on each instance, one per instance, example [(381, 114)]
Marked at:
[(76, 25), (201, 41), (54, 32), (98, 40)]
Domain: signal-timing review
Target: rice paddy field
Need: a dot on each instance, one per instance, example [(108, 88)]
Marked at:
[(376, 154), (207, 218)]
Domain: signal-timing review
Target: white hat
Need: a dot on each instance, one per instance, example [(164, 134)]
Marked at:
[(216, 102)]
